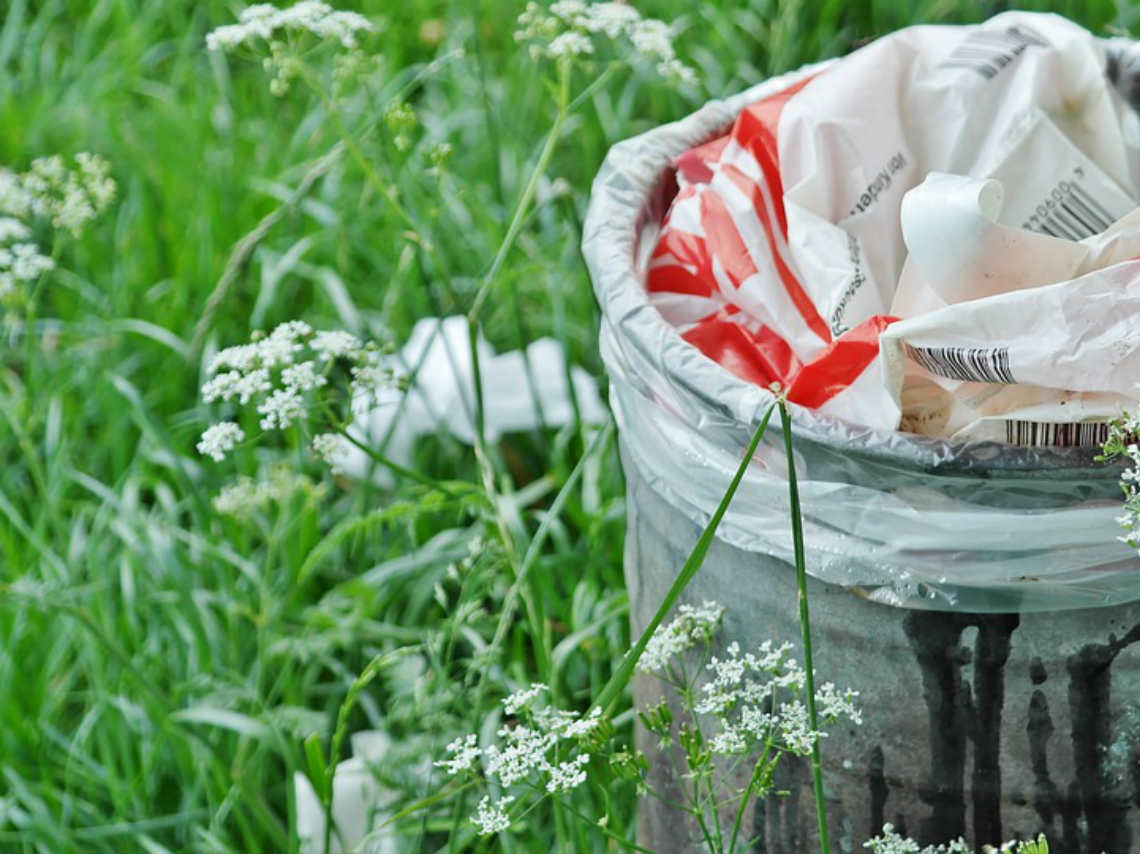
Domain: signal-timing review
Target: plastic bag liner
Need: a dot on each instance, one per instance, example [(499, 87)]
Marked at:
[(905, 520)]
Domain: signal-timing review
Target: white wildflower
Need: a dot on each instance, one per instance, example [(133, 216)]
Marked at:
[(612, 19), (832, 704), (333, 449), (523, 698), (652, 39), (372, 375), (246, 495), (524, 751), (280, 409), (263, 20), (12, 229), (492, 818), (14, 197), (890, 842), (67, 197), (689, 627), (795, 729), (335, 344), (675, 70), (302, 377), (283, 374), (585, 726), (568, 775), (728, 741), (570, 11), (219, 439), (569, 28), (464, 751), (569, 44), (242, 357), (20, 263), (235, 384), (282, 344)]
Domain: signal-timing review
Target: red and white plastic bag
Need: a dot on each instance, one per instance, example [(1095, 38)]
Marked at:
[(937, 233)]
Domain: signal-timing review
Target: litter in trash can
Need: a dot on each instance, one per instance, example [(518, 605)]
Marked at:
[(972, 525), (937, 233)]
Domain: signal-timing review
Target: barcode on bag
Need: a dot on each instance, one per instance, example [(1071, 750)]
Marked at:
[(969, 364), (1043, 433), (987, 52), (1070, 212)]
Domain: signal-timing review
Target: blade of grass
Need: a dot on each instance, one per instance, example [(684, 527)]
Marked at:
[(805, 626)]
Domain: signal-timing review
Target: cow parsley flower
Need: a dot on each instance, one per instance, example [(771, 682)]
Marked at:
[(568, 29), (12, 229), (523, 698), (464, 751), (219, 439), (333, 449), (492, 818), (246, 495), (548, 749), (295, 375), (892, 842), (262, 21), (67, 196), (21, 263), (568, 775), (691, 626)]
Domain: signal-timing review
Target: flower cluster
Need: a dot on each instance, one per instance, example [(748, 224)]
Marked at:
[(262, 21), (691, 626), (19, 262), (68, 197), (891, 842), (1124, 441), (247, 495), (290, 374), (755, 698), (545, 748), (569, 28)]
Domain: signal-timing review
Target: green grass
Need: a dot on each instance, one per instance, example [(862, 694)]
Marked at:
[(162, 665)]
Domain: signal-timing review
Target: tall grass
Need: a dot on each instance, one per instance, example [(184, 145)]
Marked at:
[(165, 666)]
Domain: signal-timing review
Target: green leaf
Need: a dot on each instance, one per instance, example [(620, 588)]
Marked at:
[(318, 772)]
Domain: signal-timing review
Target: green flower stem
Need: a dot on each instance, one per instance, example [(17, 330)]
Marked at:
[(805, 626), (757, 771), (612, 692), (395, 467)]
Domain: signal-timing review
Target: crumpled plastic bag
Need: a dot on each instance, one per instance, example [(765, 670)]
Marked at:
[(937, 233), (918, 521), (437, 358)]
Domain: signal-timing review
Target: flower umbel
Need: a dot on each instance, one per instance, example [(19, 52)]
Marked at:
[(262, 21), (691, 626), (569, 29), (546, 750), (295, 376)]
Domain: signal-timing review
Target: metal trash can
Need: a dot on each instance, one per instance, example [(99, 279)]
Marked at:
[(974, 593)]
